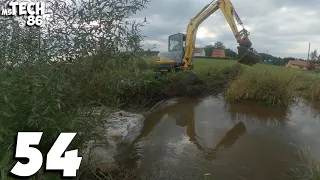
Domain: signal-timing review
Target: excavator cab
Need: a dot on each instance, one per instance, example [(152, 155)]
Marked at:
[(172, 59)]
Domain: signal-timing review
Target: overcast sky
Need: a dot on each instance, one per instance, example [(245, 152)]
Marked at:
[(283, 27)]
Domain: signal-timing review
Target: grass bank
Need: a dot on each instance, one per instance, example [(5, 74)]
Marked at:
[(274, 85), (210, 77)]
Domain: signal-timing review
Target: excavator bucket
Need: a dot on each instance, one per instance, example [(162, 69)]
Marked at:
[(247, 56)]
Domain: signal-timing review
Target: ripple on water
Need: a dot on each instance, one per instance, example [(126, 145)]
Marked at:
[(191, 137)]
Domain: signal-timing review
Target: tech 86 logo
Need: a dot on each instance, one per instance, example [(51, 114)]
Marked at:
[(34, 11)]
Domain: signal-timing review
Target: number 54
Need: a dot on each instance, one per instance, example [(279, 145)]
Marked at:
[(54, 161)]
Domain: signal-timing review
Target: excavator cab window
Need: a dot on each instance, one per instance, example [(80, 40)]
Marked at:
[(176, 42)]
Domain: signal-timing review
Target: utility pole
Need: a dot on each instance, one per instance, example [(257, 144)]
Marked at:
[(309, 52), (267, 56)]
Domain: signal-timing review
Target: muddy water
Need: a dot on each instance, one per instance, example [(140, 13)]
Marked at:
[(189, 138)]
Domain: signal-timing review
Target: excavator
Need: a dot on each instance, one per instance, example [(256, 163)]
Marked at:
[(181, 46)]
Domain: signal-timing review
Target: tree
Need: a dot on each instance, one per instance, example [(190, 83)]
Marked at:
[(219, 45), (208, 49), (314, 55), (54, 73), (230, 53), (287, 59), (71, 33)]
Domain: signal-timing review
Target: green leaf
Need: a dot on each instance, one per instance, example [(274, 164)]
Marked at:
[(7, 114)]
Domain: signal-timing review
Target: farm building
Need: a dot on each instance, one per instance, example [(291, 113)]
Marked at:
[(298, 64), (199, 52), (218, 53)]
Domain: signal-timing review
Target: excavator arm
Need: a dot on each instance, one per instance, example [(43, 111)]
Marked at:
[(245, 54)]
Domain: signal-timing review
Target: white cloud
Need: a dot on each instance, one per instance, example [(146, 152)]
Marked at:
[(284, 27)]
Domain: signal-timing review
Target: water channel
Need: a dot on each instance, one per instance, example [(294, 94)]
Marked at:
[(187, 138)]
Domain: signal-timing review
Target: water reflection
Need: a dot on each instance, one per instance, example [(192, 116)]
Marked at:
[(182, 112), (192, 137), (185, 117), (227, 141), (267, 115), (315, 108)]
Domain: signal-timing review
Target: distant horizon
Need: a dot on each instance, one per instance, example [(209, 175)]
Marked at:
[(258, 52)]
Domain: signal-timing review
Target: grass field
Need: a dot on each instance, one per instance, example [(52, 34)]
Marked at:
[(203, 63)]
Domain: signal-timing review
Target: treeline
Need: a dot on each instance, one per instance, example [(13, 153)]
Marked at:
[(148, 53), (270, 59)]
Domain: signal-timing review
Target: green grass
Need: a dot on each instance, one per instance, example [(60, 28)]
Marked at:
[(201, 64), (312, 172), (265, 84), (309, 169), (274, 85)]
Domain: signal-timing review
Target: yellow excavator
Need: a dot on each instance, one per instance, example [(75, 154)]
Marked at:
[(181, 46)]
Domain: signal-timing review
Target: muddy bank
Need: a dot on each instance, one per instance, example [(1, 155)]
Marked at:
[(185, 85)]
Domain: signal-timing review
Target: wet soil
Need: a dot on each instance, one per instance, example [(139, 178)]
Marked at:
[(191, 85)]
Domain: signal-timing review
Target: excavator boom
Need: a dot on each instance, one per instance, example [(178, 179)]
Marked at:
[(246, 54)]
